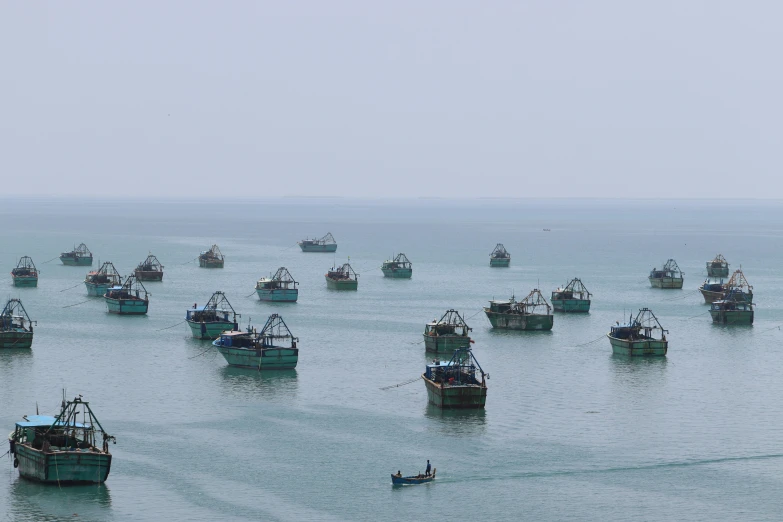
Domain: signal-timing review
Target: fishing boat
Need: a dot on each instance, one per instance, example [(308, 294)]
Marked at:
[(447, 334), (573, 297), (738, 287), (215, 317), (531, 313), (718, 267), (131, 298), (212, 258), (280, 287), (342, 278), (499, 256), (637, 337), (399, 480), (713, 289), (670, 276), (149, 270), (79, 256), (733, 309), (99, 281), (453, 383), (398, 267), (16, 328), (325, 244), (64, 449), (25, 273), (264, 350)]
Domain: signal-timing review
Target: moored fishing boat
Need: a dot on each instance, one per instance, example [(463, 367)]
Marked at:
[(25, 273), (63, 449), (212, 258), (16, 328), (325, 244), (738, 287), (573, 297), (79, 256), (150, 269), (454, 384), (733, 309), (670, 276), (718, 267), (264, 350), (99, 281), (499, 256), (398, 267), (713, 289), (131, 298), (342, 278), (636, 337), (531, 313), (215, 317), (447, 334), (399, 480), (281, 287)]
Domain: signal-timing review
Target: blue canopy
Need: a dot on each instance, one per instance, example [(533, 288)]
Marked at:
[(43, 421)]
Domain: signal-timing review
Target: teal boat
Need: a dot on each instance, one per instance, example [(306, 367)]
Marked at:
[(129, 299), (573, 297), (215, 317), (99, 281), (212, 258), (342, 278), (454, 384), (637, 337), (669, 277), (718, 267), (447, 334), (150, 269), (499, 256), (532, 313), (280, 287), (71, 448), (264, 350), (16, 328), (79, 256), (325, 244), (733, 310), (25, 273), (398, 267)]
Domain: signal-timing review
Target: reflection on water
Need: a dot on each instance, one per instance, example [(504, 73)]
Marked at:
[(35, 501), (519, 333), (638, 371), (12, 361), (456, 422), (249, 383)]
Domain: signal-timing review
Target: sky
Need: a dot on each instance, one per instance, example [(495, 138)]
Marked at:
[(403, 99)]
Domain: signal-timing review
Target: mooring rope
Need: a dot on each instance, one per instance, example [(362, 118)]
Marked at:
[(401, 384), (250, 295), (682, 296), (474, 315), (189, 261), (591, 342), (71, 288), (52, 259), (202, 353), (699, 315), (75, 304), (172, 326)]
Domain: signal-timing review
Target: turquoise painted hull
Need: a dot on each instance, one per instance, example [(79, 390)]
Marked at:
[(15, 339), (519, 321), (732, 316), (445, 344), (571, 305), (28, 282), (210, 330), (397, 273), (468, 396), (63, 467), (210, 264), (281, 295), (262, 359), (79, 261), (97, 290), (638, 347), (127, 306), (346, 284), (666, 282), (318, 248), (502, 262)]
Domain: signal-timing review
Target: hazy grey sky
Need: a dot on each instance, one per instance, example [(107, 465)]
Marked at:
[(392, 99)]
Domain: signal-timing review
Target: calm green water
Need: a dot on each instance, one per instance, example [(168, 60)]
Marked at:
[(569, 432)]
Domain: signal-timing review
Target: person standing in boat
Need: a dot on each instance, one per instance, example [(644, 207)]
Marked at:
[(427, 471)]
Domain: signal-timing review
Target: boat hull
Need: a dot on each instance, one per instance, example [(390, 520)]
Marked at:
[(732, 316), (78, 261), (519, 321), (717, 272), (397, 273), (710, 296), (264, 359), (571, 305), (204, 263), (639, 347), (210, 330), (63, 467), (142, 275), (280, 295), (97, 290), (445, 344), (500, 262), (25, 281), (342, 284), (127, 306), (318, 248), (469, 396), (14, 339), (666, 282), (403, 481)]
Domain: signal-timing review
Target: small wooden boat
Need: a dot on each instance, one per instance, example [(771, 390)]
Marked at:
[(342, 278), (16, 328), (129, 299), (212, 258), (399, 267), (79, 256), (573, 297), (281, 287), (718, 267), (636, 337), (668, 277), (453, 384), (260, 350), (150, 269), (499, 256), (447, 334), (399, 480), (99, 281), (25, 273), (325, 244), (215, 317), (531, 313)]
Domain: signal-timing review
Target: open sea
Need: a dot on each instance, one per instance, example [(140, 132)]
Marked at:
[(570, 432)]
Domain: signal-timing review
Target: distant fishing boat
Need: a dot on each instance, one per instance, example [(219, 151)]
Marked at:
[(342, 278), (732, 310), (636, 337), (99, 281), (399, 267), (454, 384), (215, 317), (25, 273), (16, 328), (281, 287), (499, 256), (212, 258), (64, 449), (447, 334), (531, 313), (79, 256), (739, 288), (399, 480), (325, 244), (150, 269), (670, 276), (718, 267), (131, 298), (264, 350), (573, 297)]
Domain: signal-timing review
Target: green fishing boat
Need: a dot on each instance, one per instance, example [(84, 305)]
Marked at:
[(280, 288), (669, 277), (342, 278), (273, 348), (79, 256), (16, 328), (149, 270), (325, 244), (718, 267), (637, 337), (573, 297), (130, 298), (453, 384), (25, 274), (733, 310), (398, 267), (212, 258), (447, 334), (499, 256), (62, 450), (215, 317), (99, 281), (531, 313)]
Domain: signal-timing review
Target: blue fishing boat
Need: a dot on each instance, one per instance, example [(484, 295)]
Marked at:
[(280, 287), (325, 244), (25, 273), (79, 256), (99, 281), (454, 384), (16, 328), (210, 320), (399, 480), (264, 350), (129, 299)]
